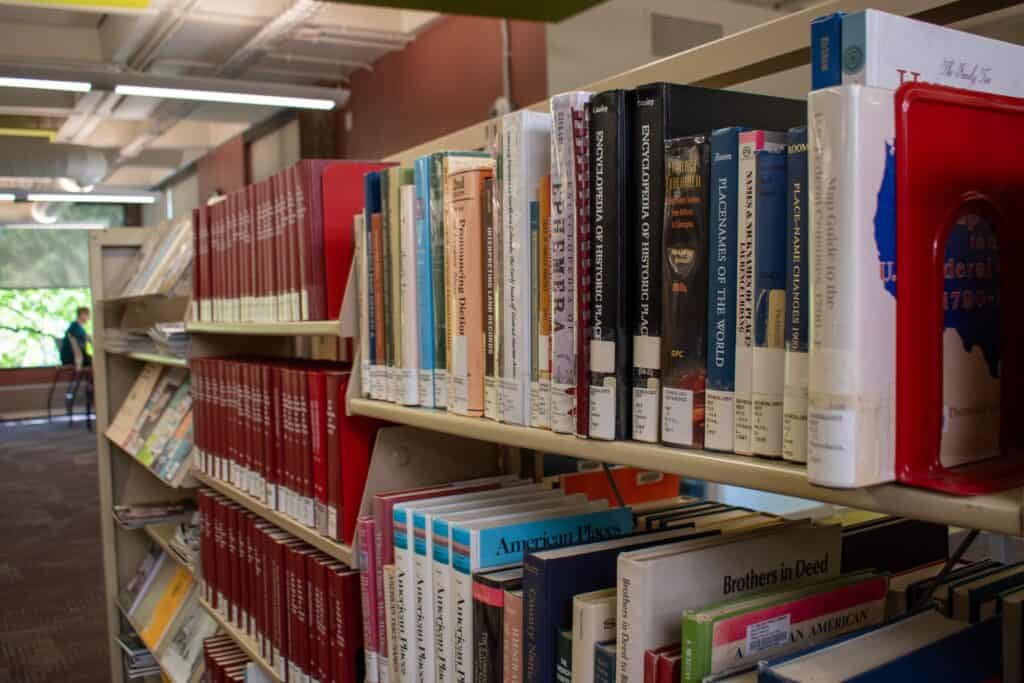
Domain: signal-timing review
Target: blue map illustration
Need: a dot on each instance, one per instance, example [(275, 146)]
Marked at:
[(971, 270)]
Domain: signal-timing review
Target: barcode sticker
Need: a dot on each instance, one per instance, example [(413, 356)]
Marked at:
[(832, 444), (768, 634), (645, 413), (378, 382), (440, 388), (647, 478), (425, 388), (407, 386), (677, 416), (460, 373)]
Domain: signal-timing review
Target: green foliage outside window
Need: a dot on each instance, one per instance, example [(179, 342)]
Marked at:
[(30, 320)]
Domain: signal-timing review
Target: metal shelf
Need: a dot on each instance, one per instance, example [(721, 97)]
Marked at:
[(1000, 512), (309, 328), (338, 551), (243, 641)]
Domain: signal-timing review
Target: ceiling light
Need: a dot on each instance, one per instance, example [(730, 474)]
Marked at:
[(7, 197), (45, 84), (222, 96), (55, 226), (43, 133), (86, 198)]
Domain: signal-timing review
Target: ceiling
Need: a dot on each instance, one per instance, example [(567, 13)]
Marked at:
[(296, 42)]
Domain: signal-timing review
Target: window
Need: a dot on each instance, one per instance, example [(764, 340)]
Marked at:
[(32, 319)]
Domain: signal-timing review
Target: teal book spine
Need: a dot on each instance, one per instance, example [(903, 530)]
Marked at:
[(425, 282)]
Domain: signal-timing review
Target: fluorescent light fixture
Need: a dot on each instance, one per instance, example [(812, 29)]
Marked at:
[(222, 96), (49, 135), (7, 197), (45, 84), (55, 226), (87, 198)]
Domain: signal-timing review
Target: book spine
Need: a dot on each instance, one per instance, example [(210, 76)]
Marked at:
[(631, 629), (696, 642), (423, 611), (389, 233), (498, 218), (512, 628), (442, 603), (391, 621), (424, 284), (718, 417), (538, 663), (851, 359), (770, 302), (581, 151), (368, 596), (369, 331), (563, 264), (464, 657), (409, 359), (563, 671), (648, 215), (540, 399), (826, 51), (318, 432), (362, 291), (402, 609), (378, 371), (492, 293), (684, 363), (794, 401), (742, 398), (605, 663), (437, 264), (488, 612), (450, 303), (534, 311), (610, 338)]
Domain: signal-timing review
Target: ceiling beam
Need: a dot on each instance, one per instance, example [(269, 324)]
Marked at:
[(40, 44)]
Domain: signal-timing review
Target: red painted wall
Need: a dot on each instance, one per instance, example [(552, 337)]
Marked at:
[(446, 79), (223, 169)]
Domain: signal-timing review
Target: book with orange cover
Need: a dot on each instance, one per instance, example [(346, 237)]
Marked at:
[(633, 484), (540, 403), (171, 600)]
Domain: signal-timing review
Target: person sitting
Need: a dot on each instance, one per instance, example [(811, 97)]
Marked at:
[(76, 331)]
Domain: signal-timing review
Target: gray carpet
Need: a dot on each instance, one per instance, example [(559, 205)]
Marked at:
[(52, 620)]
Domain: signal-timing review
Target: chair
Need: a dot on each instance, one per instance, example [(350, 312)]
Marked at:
[(77, 371)]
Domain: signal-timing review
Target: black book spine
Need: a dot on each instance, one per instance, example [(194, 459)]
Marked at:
[(490, 296), (648, 185), (685, 291), (611, 265)]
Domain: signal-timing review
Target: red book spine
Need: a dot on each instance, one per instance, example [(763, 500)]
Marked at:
[(229, 249), (217, 417), (297, 205), (335, 405), (220, 564), (581, 145), (368, 595), (279, 606), (317, 408), (319, 661), (257, 587), (205, 534), (283, 220), (305, 453), (249, 226), (215, 265), (230, 553), (298, 629), (277, 453), (288, 413), (264, 378), (197, 277), (358, 436), (244, 569), (346, 627)]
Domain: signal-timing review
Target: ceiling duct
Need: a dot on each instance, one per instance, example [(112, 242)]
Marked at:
[(25, 157)]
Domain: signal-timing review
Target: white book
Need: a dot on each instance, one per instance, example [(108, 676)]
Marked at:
[(656, 584), (409, 362), (526, 139), (593, 622), (362, 294), (389, 665)]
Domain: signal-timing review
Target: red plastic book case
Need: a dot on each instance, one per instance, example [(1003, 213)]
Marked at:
[(957, 152)]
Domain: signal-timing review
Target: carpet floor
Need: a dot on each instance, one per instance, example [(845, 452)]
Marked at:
[(52, 619)]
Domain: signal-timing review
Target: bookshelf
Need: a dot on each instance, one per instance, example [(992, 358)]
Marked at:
[(162, 535), (764, 50), (157, 358), (244, 641)]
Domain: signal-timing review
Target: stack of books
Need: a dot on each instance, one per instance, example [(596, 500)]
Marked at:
[(138, 660), (225, 660), (163, 266), (170, 339), (278, 431), (138, 515), (154, 422), (128, 340)]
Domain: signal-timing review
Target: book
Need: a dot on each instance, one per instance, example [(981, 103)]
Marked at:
[(794, 395), (605, 664), (408, 355), (178, 406), (769, 302), (632, 485), (581, 146), (489, 590), (373, 332), (134, 403), (741, 631), (721, 354), (361, 280), (750, 143), (1012, 603), (390, 257), (492, 299), (512, 622), (525, 148), (368, 597), (540, 389), (426, 289), (649, 602), (826, 50), (563, 216), (466, 209), (684, 290), (610, 124), (593, 621), (893, 544), (563, 672), (379, 384)]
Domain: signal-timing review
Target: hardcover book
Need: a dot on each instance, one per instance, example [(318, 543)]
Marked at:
[(425, 286), (525, 148), (540, 390), (826, 50), (563, 671), (390, 238), (581, 146), (512, 650), (408, 351), (684, 298), (611, 120), (605, 664), (492, 298), (593, 622), (794, 398), (563, 217), (769, 302), (489, 590)]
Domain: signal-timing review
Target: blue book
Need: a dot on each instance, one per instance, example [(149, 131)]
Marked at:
[(604, 662), (769, 301), (552, 577), (826, 49), (371, 205), (502, 541), (794, 392), (721, 357), (424, 282)]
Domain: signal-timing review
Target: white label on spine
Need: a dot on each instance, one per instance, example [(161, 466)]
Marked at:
[(677, 416), (440, 388), (602, 356), (372, 674), (540, 415), (378, 382), (602, 410), (408, 387), (511, 401), (645, 412), (768, 634), (563, 408), (647, 352), (425, 388), (832, 443), (364, 377), (718, 427), (460, 374), (544, 352), (491, 398)]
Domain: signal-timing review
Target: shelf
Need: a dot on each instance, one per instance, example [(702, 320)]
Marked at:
[(310, 328), (244, 641), (186, 483), (162, 534), (339, 551), (1000, 512), (158, 358)]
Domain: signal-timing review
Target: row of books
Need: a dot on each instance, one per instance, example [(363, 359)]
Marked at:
[(161, 601), (225, 661), (164, 264), (278, 431), (279, 249), (454, 572), (300, 605), (154, 422)]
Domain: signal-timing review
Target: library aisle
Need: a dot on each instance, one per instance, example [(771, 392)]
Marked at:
[(51, 560)]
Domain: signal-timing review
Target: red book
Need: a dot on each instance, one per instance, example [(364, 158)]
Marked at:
[(345, 626), (220, 573), (651, 659), (230, 248), (670, 667), (276, 565), (316, 570), (197, 264), (245, 520), (288, 433), (234, 563), (294, 205), (334, 383), (358, 435), (298, 612), (633, 485), (317, 408), (207, 558), (276, 469), (368, 596)]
